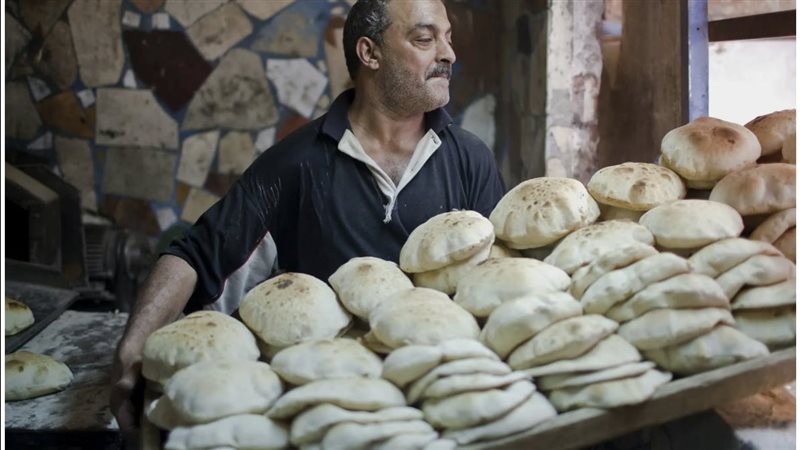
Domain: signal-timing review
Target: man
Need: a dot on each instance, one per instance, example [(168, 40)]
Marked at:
[(354, 182)]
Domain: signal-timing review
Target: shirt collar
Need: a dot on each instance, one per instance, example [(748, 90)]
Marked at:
[(336, 121)]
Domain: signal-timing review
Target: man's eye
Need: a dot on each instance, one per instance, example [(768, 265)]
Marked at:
[(425, 40)]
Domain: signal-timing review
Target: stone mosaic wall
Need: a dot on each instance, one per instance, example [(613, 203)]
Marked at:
[(152, 108)]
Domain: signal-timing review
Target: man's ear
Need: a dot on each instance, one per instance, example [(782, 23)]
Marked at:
[(368, 52)]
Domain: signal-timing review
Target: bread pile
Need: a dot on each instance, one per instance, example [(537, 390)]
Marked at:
[(363, 283), (536, 213), (628, 190), (216, 403), (341, 401), (466, 391), (760, 284), (18, 316), (30, 375), (758, 194), (776, 135), (200, 336), (684, 226), (439, 252), (292, 308)]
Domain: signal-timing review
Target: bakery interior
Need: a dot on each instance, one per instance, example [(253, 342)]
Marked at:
[(111, 153)]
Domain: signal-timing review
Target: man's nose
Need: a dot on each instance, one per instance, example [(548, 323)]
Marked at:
[(446, 52)]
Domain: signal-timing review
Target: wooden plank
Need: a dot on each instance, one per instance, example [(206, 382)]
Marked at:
[(47, 303), (759, 26), (676, 399)]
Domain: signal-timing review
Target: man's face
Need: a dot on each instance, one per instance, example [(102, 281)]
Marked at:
[(417, 56)]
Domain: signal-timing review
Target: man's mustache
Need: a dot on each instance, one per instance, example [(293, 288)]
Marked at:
[(441, 70)]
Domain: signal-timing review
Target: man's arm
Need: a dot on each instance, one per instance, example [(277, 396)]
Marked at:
[(162, 298)]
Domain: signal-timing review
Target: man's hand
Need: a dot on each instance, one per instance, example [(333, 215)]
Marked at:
[(127, 392)]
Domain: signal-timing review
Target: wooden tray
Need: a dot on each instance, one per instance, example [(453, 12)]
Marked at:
[(679, 398)]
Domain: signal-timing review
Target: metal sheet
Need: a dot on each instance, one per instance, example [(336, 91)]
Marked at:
[(46, 303)]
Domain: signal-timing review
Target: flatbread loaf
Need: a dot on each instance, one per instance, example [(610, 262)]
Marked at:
[(469, 409), (359, 394), (715, 259), (763, 189), (311, 425), (774, 327), (29, 375), (773, 129), (610, 394), (240, 431), (758, 270), (362, 283), (776, 225), (446, 278), (574, 379), (666, 327), (778, 294), (617, 258), (689, 224), (18, 316), (457, 367), (610, 352), (787, 244), (327, 358), (636, 186)]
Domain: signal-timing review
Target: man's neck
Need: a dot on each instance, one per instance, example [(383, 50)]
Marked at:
[(373, 120)]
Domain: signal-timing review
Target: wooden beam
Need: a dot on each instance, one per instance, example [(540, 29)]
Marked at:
[(759, 26)]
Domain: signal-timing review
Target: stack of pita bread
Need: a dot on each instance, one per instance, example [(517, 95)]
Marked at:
[(776, 135), (466, 391), (220, 403), (18, 316), (292, 308), (760, 284), (628, 190), (439, 252), (418, 316), (758, 194), (341, 401), (200, 336), (536, 213), (703, 151), (363, 283)]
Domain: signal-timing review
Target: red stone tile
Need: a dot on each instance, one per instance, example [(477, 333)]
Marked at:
[(220, 183), (181, 192), (148, 6), (290, 124), (131, 213)]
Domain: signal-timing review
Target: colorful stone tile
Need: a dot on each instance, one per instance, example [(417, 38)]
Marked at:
[(22, 119), (131, 117), (216, 33), (234, 96), (43, 142), (334, 56), (197, 203), (77, 166), (220, 183), (131, 19), (131, 213), (144, 173), (56, 59), (160, 21), (197, 154), (262, 10), (17, 38), (290, 124), (289, 33), (40, 15), (166, 217), (63, 112), (298, 82), (168, 62), (265, 139), (96, 31), (148, 6), (39, 89), (187, 12), (236, 152), (181, 192), (129, 79), (86, 97)]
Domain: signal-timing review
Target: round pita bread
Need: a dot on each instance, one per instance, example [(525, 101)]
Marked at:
[(359, 394), (445, 239), (758, 270), (516, 321), (446, 278), (688, 290), (689, 224), (457, 384), (407, 441), (789, 149), (540, 211), (609, 352), (18, 316), (583, 246), (327, 358), (457, 367), (774, 327), (778, 294), (534, 410), (618, 285), (610, 394), (312, 425), (617, 258), (30, 375), (773, 129), (161, 413), (550, 382), (666, 327), (350, 435), (362, 283), (566, 339), (776, 225), (409, 363), (636, 186), (707, 149), (763, 189), (474, 408), (787, 244), (722, 346), (715, 259), (498, 280), (200, 336), (421, 316), (240, 431), (454, 349), (292, 308)]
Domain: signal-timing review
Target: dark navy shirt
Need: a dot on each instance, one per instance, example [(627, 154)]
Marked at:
[(322, 206)]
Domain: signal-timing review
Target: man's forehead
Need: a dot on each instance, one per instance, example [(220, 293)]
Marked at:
[(410, 14)]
